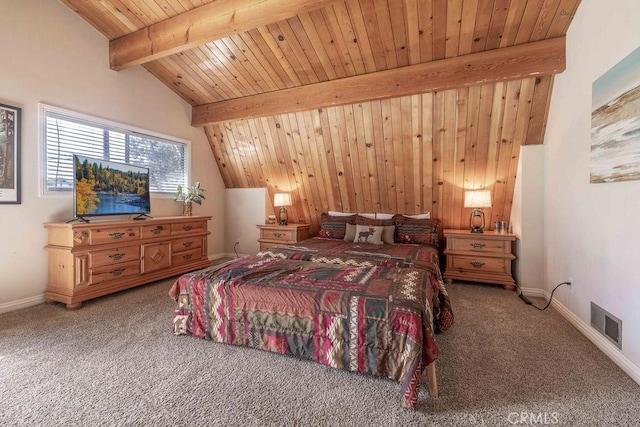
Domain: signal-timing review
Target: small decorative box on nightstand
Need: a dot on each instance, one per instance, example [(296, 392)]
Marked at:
[(482, 257), (273, 234)]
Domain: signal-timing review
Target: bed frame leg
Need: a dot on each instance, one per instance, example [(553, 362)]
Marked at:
[(433, 382)]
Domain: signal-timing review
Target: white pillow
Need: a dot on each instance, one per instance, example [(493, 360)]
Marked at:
[(350, 233), (368, 234), (419, 216), (368, 215), (384, 216), (335, 213), (388, 233)]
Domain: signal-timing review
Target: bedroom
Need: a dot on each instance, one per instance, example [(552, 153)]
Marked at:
[(583, 224)]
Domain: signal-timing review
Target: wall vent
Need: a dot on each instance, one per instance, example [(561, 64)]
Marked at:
[(607, 324)]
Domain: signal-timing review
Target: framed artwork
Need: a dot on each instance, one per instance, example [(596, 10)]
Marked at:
[(10, 124), (615, 122)]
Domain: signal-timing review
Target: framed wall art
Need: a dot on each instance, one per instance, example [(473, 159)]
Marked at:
[(615, 122), (10, 124)]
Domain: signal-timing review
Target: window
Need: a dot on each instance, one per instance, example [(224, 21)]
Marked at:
[(66, 133)]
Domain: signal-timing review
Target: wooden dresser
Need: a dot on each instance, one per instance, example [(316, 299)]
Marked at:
[(274, 234), (484, 257), (88, 260)]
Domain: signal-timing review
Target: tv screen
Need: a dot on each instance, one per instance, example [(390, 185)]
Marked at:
[(102, 187)]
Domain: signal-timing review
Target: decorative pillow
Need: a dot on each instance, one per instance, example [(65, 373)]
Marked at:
[(363, 220), (350, 234), (368, 215), (420, 216), (420, 231), (336, 213), (334, 227), (369, 234), (383, 216), (388, 233)]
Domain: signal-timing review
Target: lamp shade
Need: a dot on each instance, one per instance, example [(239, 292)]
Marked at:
[(477, 199), (281, 199)]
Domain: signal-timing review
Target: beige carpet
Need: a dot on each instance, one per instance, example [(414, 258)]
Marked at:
[(116, 362)]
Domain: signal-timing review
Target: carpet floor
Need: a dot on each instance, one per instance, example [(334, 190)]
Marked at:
[(117, 362)]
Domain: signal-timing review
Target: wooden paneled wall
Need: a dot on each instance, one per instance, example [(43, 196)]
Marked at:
[(403, 155)]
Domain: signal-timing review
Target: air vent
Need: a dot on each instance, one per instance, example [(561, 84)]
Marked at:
[(607, 324)]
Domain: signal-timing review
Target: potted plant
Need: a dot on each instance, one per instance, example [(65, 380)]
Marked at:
[(188, 196)]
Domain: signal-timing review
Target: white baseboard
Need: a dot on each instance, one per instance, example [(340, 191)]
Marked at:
[(22, 303), (219, 255), (592, 335), (39, 299), (233, 255)]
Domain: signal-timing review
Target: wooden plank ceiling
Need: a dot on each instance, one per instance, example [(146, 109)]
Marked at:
[(303, 97)]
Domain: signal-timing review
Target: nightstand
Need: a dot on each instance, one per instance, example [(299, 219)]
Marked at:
[(482, 257), (273, 234)]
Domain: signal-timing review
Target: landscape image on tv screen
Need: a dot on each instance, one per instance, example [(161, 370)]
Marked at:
[(109, 188)]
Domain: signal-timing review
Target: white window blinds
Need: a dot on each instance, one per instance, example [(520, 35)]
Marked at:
[(66, 134)]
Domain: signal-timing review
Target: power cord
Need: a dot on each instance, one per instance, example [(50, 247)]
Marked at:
[(234, 249), (528, 301)]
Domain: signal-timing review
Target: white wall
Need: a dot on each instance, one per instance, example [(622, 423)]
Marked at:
[(592, 231), (527, 218), (244, 209), (49, 54)]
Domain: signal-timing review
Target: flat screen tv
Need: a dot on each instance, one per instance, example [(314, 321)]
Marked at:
[(102, 187)]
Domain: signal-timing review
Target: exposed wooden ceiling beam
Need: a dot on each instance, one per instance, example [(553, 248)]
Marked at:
[(538, 58), (203, 24)]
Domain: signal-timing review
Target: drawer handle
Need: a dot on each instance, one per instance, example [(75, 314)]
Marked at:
[(117, 272), (187, 256), (477, 264), (478, 245), (187, 244), (156, 230), (116, 256), (278, 234), (116, 235), (187, 227)]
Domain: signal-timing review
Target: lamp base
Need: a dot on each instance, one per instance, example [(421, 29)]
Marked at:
[(283, 216), (476, 221)]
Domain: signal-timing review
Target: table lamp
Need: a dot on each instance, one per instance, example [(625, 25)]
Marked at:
[(282, 200), (477, 199)]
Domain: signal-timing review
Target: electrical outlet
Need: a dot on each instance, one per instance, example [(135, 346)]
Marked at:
[(570, 280), (237, 241)]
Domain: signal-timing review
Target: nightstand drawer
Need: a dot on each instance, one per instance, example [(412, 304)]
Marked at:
[(273, 235), (284, 235), (466, 244), (494, 265)]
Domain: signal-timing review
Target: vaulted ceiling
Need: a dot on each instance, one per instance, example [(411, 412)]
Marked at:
[(358, 105)]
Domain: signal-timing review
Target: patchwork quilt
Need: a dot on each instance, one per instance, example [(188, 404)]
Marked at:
[(366, 308)]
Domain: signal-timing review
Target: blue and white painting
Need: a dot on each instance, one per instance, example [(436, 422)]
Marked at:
[(615, 122)]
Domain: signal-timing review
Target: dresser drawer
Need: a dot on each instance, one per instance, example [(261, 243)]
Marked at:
[(479, 264), (112, 272), (100, 236), (188, 227), (284, 235), (114, 256), (151, 231), (466, 244), (187, 244), (186, 256)]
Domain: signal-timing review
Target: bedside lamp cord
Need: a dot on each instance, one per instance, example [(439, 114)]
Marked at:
[(528, 301)]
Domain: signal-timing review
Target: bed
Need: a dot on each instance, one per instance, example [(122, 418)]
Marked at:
[(372, 308)]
